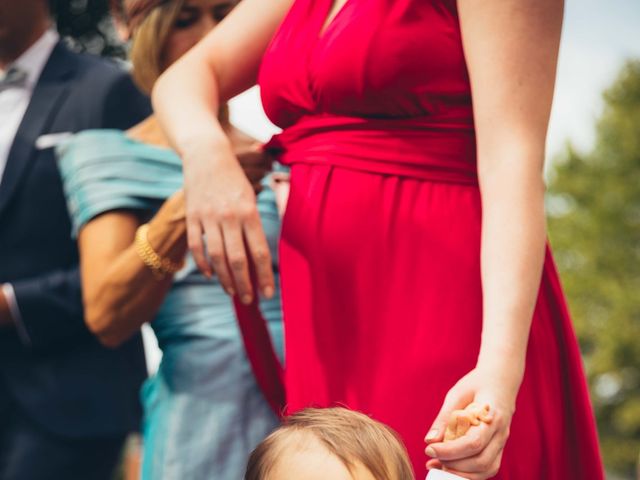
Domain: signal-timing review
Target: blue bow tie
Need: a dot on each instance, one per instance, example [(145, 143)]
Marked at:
[(15, 77)]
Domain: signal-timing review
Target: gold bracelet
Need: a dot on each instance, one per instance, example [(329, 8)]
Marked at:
[(160, 267)]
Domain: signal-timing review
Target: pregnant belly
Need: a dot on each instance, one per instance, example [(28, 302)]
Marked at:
[(343, 215)]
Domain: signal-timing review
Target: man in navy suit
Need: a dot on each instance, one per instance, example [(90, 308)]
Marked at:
[(66, 402)]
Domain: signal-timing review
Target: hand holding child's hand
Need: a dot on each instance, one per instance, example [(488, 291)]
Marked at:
[(466, 439)]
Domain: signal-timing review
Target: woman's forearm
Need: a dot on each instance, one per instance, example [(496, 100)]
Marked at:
[(120, 291), (512, 255), (221, 204), (128, 296), (225, 63), (186, 102), (511, 49)]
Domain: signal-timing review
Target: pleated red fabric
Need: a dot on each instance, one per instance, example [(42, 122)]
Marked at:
[(380, 249), (260, 352)]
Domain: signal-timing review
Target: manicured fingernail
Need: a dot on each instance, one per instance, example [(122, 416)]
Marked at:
[(268, 292), (433, 433), (430, 451), (246, 299)]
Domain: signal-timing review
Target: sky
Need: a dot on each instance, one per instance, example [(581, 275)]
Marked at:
[(598, 36)]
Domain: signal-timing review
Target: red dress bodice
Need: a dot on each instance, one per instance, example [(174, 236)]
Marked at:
[(378, 66)]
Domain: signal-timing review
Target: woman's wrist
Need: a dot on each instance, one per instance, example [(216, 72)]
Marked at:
[(158, 262), (503, 366), (169, 240), (167, 232), (198, 145), (503, 347)]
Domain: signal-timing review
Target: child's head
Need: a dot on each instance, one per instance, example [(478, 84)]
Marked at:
[(332, 443)]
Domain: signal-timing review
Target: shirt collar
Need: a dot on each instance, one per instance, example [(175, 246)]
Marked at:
[(35, 57)]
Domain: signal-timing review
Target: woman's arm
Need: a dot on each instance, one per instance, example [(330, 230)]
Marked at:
[(120, 292), (220, 202), (512, 51), (511, 47)]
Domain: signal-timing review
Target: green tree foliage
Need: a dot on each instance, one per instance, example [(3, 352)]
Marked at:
[(594, 223)]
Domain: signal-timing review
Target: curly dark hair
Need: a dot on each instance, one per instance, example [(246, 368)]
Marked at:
[(87, 26)]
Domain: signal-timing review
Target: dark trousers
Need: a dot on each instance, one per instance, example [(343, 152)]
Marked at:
[(27, 452)]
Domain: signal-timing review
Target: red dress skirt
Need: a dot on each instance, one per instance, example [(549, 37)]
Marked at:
[(380, 248)]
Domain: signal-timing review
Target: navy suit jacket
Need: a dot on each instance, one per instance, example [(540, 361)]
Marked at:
[(62, 378)]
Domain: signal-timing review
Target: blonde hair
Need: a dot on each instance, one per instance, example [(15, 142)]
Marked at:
[(148, 43), (351, 436)]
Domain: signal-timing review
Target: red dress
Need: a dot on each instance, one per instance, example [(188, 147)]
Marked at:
[(380, 248)]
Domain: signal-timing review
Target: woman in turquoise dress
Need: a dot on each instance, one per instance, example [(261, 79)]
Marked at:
[(203, 410)]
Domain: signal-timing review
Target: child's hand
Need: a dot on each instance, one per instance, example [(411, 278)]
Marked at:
[(461, 420)]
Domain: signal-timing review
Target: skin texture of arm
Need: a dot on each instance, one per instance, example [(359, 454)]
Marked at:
[(219, 200), (511, 48), (120, 292)]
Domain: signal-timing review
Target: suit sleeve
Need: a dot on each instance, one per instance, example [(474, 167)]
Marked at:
[(50, 308), (50, 305)]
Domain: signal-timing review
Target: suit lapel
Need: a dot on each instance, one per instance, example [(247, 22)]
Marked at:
[(51, 89)]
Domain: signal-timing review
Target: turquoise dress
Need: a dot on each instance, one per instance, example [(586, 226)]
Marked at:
[(203, 411)]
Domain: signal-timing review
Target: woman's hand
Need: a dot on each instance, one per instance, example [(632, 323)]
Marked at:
[(476, 455), (167, 229), (256, 164), (281, 185), (254, 160), (220, 201), (221, 205), (512, 96)]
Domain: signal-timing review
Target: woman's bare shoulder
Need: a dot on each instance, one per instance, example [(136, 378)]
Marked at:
[(149, 132)]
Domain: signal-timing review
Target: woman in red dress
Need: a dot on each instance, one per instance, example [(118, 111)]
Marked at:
[(414, 271)]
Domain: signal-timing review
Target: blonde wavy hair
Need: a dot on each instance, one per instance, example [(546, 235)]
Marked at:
[(148, 46)]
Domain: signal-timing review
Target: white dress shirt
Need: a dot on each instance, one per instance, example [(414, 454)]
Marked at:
[(14, 100)]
